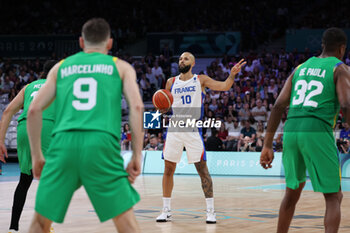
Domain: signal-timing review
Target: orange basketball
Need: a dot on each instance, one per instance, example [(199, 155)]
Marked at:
[(162, 99)]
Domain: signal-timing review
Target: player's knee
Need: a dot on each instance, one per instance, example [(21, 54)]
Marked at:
[(202, 169), (340, 196), (42, 222), (25, 180), (203, 173), (334, 196), (125, 225), (291, 199), (126, 222), (169, 167), (169, 170)]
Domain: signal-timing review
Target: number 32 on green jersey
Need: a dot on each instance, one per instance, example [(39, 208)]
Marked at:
[(301, 87), (90, 94)]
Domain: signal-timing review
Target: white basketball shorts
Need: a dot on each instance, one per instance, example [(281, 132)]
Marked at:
[(176, 141)]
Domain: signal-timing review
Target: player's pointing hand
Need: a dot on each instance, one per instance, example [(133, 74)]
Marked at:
[(237, 68)]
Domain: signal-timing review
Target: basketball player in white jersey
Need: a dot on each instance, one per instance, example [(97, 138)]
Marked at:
[(188, 92)]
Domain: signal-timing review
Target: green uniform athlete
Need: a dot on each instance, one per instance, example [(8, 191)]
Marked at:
[(88, 89), (314, 92), (23, 100)]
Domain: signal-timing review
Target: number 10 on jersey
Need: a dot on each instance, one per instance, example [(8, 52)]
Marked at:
[(186, 99)]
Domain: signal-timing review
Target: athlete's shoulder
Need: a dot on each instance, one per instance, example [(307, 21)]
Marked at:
[(300, 65), (36, 82), (203, 78), (339, 63), (171, 79), (341, 70), (170, 82), (64, 61)]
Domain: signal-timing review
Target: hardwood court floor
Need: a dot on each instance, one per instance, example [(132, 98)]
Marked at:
[(243, 204)]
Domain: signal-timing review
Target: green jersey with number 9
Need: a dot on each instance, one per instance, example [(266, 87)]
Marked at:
[(29, 94), (314, 92), (88, 94)]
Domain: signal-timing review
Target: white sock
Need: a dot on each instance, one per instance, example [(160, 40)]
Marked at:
[(167, 202), (210, 203)]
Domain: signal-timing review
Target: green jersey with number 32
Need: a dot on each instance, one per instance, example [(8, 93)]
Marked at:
[(29, 94), (88, 94), (313, 90)]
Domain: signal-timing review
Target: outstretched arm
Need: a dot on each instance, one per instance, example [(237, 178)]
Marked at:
[(15, 105), (212, 84)]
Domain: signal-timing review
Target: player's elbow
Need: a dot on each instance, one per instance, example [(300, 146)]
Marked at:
[(137, 107), (33, 111), (344, 105), (279, 106), (140, 107), (226, 88), (8, 111)]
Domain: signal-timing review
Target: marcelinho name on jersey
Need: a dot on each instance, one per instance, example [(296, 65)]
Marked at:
[(317, 72), (86, 69), (185, 89), (38, 86)]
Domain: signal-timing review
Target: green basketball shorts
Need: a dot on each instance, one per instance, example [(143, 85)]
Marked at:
[(23, 147), (309, 144), (90, 159)]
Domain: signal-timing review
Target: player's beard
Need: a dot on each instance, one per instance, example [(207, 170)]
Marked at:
[(184, 69)]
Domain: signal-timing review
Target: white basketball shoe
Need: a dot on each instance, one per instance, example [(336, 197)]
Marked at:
[(211, 216), (165, 216)]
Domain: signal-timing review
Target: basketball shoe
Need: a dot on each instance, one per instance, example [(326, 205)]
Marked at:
[(211, 216), (165, 216)]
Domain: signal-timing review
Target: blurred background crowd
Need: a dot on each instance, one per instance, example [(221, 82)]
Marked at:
[(243, 110)]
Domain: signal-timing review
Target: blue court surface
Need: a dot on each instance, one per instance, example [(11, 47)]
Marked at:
[(10, 172)]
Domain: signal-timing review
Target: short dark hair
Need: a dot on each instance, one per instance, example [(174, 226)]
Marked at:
[(47, 67), (214, 132), (96, 30), (333, 38)]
